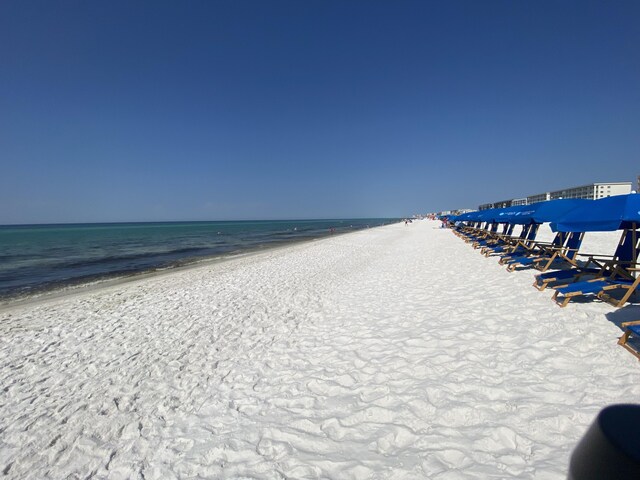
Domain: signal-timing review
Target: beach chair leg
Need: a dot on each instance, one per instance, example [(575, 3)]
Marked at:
[(626, 297), (561, 303), (540, 286), (631, 350), (622, 341), (542, 266), (605, 297)]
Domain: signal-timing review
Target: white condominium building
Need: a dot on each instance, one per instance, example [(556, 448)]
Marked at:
[(593, 191), (540, 197)]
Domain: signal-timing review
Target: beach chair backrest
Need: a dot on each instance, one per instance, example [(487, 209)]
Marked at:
[(524, 232), (509, 228), (559, 239), (574, 240), (626, 246), (628, 251), (533, 231)]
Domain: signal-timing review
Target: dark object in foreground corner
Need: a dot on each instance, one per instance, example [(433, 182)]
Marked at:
[(611, 447)]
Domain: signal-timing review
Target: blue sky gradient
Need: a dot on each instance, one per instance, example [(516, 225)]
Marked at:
[(215, 110)]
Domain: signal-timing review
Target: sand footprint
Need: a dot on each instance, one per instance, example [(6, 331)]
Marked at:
[(272, 449), (504, 441), (393, 442)]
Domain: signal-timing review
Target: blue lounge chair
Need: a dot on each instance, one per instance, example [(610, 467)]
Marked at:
[(601, 287), (546, 279), (538, 213), (612, 274), (511, 246), (611, 213), (481, 238), (532, 249), (498, 240), (476, 230), (493, 236), (523, 246), (564, 248), (595, 265), (566, 254)]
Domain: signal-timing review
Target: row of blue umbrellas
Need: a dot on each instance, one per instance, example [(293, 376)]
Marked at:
[(566, 215)]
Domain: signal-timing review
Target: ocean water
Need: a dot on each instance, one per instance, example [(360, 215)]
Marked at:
[(39, 258)]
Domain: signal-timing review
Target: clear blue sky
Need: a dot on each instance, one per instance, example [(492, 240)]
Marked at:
[(204, 110)]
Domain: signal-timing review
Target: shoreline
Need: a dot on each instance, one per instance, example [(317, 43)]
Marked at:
[(56, 292)]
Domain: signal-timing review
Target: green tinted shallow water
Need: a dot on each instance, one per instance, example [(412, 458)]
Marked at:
[(40, 257)]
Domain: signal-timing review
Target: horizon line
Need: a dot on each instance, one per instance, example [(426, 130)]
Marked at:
[(194, 221)]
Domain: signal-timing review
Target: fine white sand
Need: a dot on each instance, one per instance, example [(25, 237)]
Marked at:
[(393, 353)]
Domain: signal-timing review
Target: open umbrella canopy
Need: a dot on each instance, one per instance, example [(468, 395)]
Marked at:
[(509, 214), (548, 211), (468, 217), (485, 215), (492, 215), (540, 212), (606, 214)]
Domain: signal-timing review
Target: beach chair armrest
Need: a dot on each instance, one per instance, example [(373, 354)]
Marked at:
[(634, 322), (542, 244), (596, 255)]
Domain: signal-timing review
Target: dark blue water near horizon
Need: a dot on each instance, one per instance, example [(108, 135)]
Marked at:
[(39, 258)]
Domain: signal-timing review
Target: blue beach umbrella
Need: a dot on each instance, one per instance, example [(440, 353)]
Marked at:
[(548, 211), (468, 217), (472, 216), (508, 214), (488, 215), (606, 214)]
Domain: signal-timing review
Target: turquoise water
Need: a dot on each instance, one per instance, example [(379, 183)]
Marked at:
[(36, 258)]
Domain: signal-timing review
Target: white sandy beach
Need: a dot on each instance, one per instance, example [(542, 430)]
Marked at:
[(392, 353)]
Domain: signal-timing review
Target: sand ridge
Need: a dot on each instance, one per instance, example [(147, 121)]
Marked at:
[(397, 352)]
